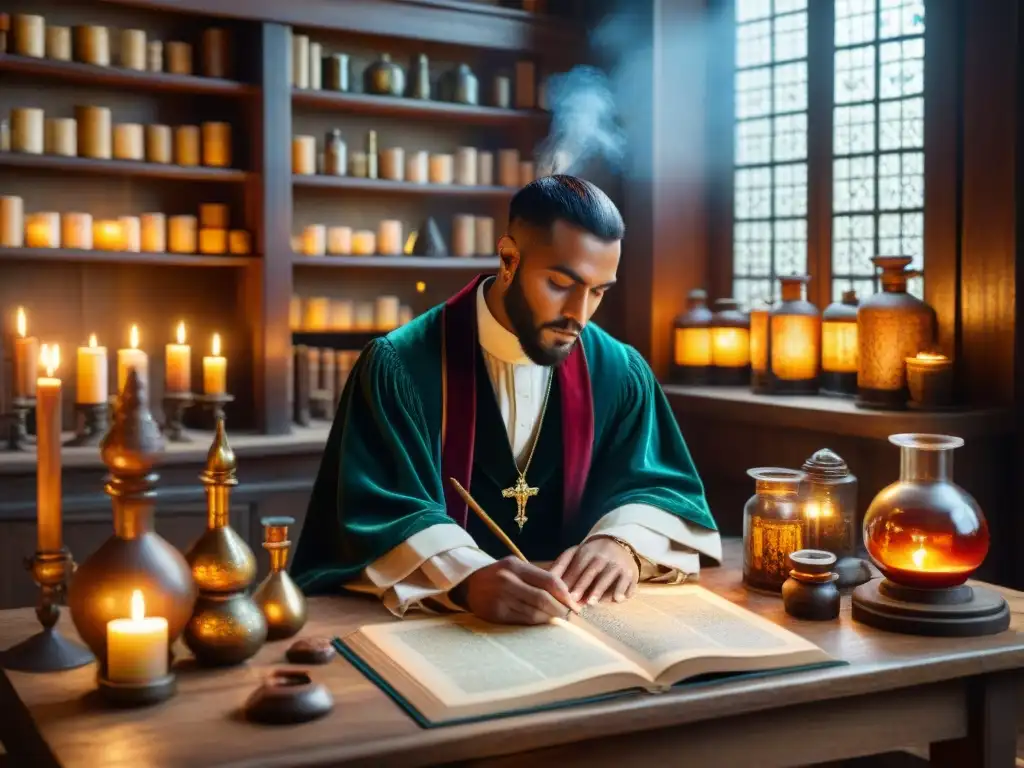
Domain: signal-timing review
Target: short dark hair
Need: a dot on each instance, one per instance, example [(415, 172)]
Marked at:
[(567, 198)]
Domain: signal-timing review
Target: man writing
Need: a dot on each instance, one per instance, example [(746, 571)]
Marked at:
[(559, 432)]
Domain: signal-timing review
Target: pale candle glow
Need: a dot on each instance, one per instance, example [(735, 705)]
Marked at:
[(137, 646), (48, 459), (215, 370), (930, 358), (178, 367), (730, 347), (26, 358), (92, 385), (133, 357), (108, 235)]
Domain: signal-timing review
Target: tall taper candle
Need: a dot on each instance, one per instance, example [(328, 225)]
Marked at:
[(92, 386), (48, 469), (215, 370), (178, 365), (26, 358), (133, 357)]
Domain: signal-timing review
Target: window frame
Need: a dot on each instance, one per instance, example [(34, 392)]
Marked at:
[(942, 128)]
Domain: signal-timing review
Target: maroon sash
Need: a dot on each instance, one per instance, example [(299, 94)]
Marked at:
[(458, 427)]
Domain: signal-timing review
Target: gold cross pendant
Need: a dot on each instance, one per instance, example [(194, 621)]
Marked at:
[(520, 492)]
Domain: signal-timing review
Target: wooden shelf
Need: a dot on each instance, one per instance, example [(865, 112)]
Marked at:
[(88, 165), (77, 72), (338, 340), (124, 257), (393, 106), (355, 183), (483, 263), (830, 415)]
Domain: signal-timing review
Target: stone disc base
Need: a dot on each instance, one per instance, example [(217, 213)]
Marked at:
[(959, 612)]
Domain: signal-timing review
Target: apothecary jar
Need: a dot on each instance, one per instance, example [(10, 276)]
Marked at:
[(773, 526)]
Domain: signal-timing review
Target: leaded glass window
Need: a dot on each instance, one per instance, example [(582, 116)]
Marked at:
[(770, 175), (878, 140)]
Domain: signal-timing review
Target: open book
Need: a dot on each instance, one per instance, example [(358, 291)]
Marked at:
[(458, 668)]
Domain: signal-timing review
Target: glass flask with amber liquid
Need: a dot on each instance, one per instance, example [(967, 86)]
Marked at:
[(773, 527), (924, 531)]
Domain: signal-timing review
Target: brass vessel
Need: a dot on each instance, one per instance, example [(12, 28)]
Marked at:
[(281, 601), (135, 557), (226, 625)]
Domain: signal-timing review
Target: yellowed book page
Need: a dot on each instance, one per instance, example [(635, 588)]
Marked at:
[(463, 662), (663, 625)]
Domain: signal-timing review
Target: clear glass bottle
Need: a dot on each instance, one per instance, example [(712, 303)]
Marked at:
[(925, 531), (773, 526), (830, 504)]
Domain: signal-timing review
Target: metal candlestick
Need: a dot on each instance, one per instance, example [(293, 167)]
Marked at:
[(48, 650), (93, 420), (216, 403), (17, 437), (175, 405)]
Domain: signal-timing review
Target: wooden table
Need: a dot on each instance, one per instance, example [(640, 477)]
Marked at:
[(959, 695)]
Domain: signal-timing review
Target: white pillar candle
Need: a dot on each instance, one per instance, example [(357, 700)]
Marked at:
[(92, 385), (463, 234), (389, 237), (417, 167), (48, 444), (239, 242), (441, 169), (27, 132), (485, 169), (508, 167), (154, 232), (129, 143), (364, 243), (182, 237), (29, 36), (215, 370), (42, 230), (76, 231), (131, 233), (132, 357), (137, 647), (339, 240), (12, 221), (178, 363), (386, 312), (304, 155), (314, 240), (466, 166), (213, 241), (132, 53)]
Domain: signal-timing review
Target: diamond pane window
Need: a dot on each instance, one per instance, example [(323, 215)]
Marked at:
[(878, 140), (770, 178)]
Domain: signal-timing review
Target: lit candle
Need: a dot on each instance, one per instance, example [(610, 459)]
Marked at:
[(137, 646), (133, 357), (107, 235), (930, 380), (179, 364), (215, 370), (48, 423), (42, 230), (92, 374), (26, 358)]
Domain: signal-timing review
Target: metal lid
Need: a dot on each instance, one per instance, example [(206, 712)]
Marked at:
[(825, 464)]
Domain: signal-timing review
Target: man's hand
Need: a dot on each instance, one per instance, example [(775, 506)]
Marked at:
[(513, 592), (600, 567)]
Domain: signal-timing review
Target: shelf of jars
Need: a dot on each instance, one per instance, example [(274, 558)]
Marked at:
[(92, 54), (877, 354), (423, 109)]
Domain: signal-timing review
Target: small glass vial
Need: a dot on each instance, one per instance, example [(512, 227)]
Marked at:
[(335, 154), (773, 527)]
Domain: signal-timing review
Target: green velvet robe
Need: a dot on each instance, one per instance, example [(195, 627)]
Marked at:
[(380, 480)]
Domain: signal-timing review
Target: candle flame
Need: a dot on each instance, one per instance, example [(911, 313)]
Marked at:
[(421, 286), (918, 557), (216, 345), (21, 322), (92, 340), (930, 356), (49, 358), (138, 606), (133, 337), (811, 509), (181, 332)]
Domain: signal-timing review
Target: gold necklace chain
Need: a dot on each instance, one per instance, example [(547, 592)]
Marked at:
[(540, 425)]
